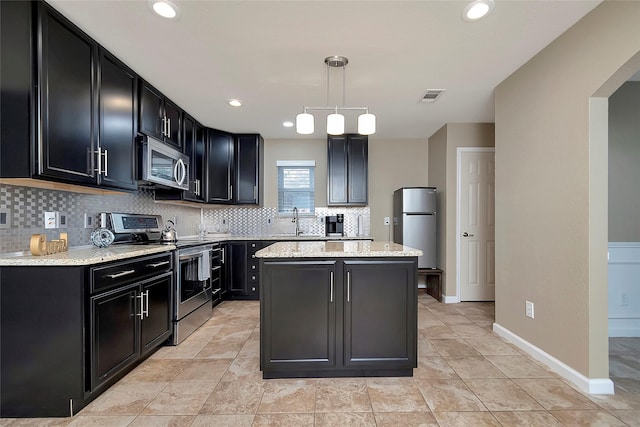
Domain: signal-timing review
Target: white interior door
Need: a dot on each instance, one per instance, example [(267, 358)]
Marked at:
[(476, 225)]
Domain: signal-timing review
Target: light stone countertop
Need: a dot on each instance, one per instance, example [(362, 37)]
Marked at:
[(342, 249), (83, 255)]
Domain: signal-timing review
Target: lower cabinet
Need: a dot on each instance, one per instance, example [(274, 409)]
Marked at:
[(338, 317), (243, 269), (74, 331)]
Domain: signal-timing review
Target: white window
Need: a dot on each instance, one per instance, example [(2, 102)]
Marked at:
[(296, 186)]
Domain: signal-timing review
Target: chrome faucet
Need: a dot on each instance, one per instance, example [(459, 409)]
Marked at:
[(296, 221)]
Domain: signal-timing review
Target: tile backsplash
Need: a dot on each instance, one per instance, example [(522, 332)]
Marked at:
[(23, 209)]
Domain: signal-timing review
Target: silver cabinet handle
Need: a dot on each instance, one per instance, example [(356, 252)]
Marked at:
[(146, 298), (106, 163), (197, 187), (141, 314), (163, 132), (331, 287), (122, 273), (222, 259), (158, 264), (348, 286), (99, 153), (231, 191), (465, 234), (169, 128)]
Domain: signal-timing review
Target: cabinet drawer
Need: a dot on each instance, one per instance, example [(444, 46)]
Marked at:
[(129, 271)]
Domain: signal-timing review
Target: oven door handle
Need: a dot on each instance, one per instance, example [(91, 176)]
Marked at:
[(190, 256)]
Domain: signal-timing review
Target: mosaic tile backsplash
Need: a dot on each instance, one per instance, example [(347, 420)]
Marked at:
[(24, 207)]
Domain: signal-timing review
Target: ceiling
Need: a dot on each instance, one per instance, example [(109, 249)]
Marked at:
[(270, 55)]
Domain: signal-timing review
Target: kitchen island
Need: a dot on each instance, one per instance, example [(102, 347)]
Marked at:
[(338, 309)]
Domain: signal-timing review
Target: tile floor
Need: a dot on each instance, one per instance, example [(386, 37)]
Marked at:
[(466, 376)]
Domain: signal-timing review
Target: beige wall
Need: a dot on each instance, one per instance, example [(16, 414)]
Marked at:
[(624, 163), (443, 152), (392, 164), (551, 193)]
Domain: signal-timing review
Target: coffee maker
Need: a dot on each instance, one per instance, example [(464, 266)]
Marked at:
[(334, 225)]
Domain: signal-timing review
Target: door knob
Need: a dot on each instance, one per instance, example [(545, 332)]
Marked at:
[(465, 234)]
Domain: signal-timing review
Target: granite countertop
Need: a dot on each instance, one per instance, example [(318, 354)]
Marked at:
[(83, 255), (343, 249)]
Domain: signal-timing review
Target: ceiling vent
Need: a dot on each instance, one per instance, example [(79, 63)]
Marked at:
[(431, 95)]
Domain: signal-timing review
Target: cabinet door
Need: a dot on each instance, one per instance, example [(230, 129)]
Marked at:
[(67, 99), (219, 167), (173, 116), (357, 170), (114, 333), (379, 301), (298, 315), (151, 113), (118, 109), (155, 326), (188, 141), (337, 171), (237, 268), (247, 169)]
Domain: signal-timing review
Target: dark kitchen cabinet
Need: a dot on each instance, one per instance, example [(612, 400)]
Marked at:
[(380, 300), (118, 107), (219, 185), (218, 288), (338, 317), (299, 330), (58, 88), (248, 165), (159, 117), (68, 99), (75, 330), (243, 269), (347, 173), (114, 334)]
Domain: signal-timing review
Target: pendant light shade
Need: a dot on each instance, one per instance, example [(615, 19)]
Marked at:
[(366, 124), (304, 124), (335, 124)]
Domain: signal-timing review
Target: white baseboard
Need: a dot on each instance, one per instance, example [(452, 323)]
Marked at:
[(587, 385), (450, 300)]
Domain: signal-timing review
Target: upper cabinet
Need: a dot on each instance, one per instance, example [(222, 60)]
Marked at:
[(67, 97), (248, 167), (58, 96), (193, 140), (219, 187), (159, 117), (347, 173), (118, 108)]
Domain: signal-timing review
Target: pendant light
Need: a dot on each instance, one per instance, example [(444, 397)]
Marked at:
[(335, 120)]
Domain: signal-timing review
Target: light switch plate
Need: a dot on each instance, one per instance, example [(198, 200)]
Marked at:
[(5, 218), (62, 220), (88, 221)]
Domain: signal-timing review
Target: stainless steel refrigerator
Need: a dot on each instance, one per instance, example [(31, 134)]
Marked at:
[(414, 222)]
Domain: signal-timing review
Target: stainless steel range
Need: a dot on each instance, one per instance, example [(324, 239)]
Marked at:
[(192, 293)]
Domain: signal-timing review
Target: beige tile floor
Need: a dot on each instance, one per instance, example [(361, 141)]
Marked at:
[(466, 376)]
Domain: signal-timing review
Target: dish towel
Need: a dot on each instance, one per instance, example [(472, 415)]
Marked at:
[(204, 266)]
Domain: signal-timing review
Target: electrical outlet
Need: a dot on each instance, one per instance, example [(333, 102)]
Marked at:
[(5, 218), (387, 220), (529, 309), (50, 219), (88, 221), (61, 220)]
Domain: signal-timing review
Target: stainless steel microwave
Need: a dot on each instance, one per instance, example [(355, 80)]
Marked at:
[(163, 165)]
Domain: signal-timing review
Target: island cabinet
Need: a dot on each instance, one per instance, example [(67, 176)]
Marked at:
[(332, 317), (69, 332)]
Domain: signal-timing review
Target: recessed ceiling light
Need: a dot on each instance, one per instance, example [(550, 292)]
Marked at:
[(287, 124), (477, 9), (164, 8), (235, 102)]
